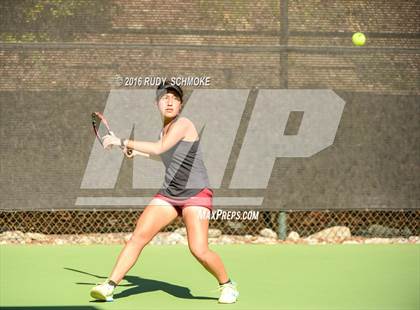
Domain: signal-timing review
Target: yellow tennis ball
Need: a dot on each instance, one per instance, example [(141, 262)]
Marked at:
[(359, 39)]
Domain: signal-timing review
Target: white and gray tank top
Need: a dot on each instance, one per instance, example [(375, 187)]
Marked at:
[(185, 172)]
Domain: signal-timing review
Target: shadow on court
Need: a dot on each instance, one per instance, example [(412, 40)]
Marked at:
[(138, 285)]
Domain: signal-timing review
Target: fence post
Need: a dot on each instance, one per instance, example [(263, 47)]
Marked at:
[(282, 228)]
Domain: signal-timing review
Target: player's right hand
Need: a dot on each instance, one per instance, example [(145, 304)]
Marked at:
[(110, 140)]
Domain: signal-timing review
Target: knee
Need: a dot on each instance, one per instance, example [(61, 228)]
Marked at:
[(199, 251), (139, 239)]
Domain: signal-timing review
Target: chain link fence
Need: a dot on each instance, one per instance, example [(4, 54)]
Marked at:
[(366, 223)]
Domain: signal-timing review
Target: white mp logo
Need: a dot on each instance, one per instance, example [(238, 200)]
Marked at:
[(220, 112)]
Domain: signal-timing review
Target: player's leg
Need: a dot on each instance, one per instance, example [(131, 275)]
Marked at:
[(155, 216), (197, 232)]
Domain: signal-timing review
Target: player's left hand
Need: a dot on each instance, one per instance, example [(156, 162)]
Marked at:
[(110, 140), (129, 153)]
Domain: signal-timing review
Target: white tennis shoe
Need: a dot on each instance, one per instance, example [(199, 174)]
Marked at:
[(104, 291), (229, 293)]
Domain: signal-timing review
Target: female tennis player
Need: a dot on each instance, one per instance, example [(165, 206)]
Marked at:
[(185, 192)]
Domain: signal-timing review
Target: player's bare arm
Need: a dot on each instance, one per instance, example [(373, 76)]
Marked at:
[(178, 132)]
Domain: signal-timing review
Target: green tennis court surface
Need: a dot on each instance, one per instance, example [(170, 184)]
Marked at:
[(168, 277)]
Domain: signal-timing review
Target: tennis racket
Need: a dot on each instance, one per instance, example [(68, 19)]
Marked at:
[(101, 128)]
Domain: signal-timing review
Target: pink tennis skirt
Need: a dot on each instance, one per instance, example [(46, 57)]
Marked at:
[(202, 199)]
